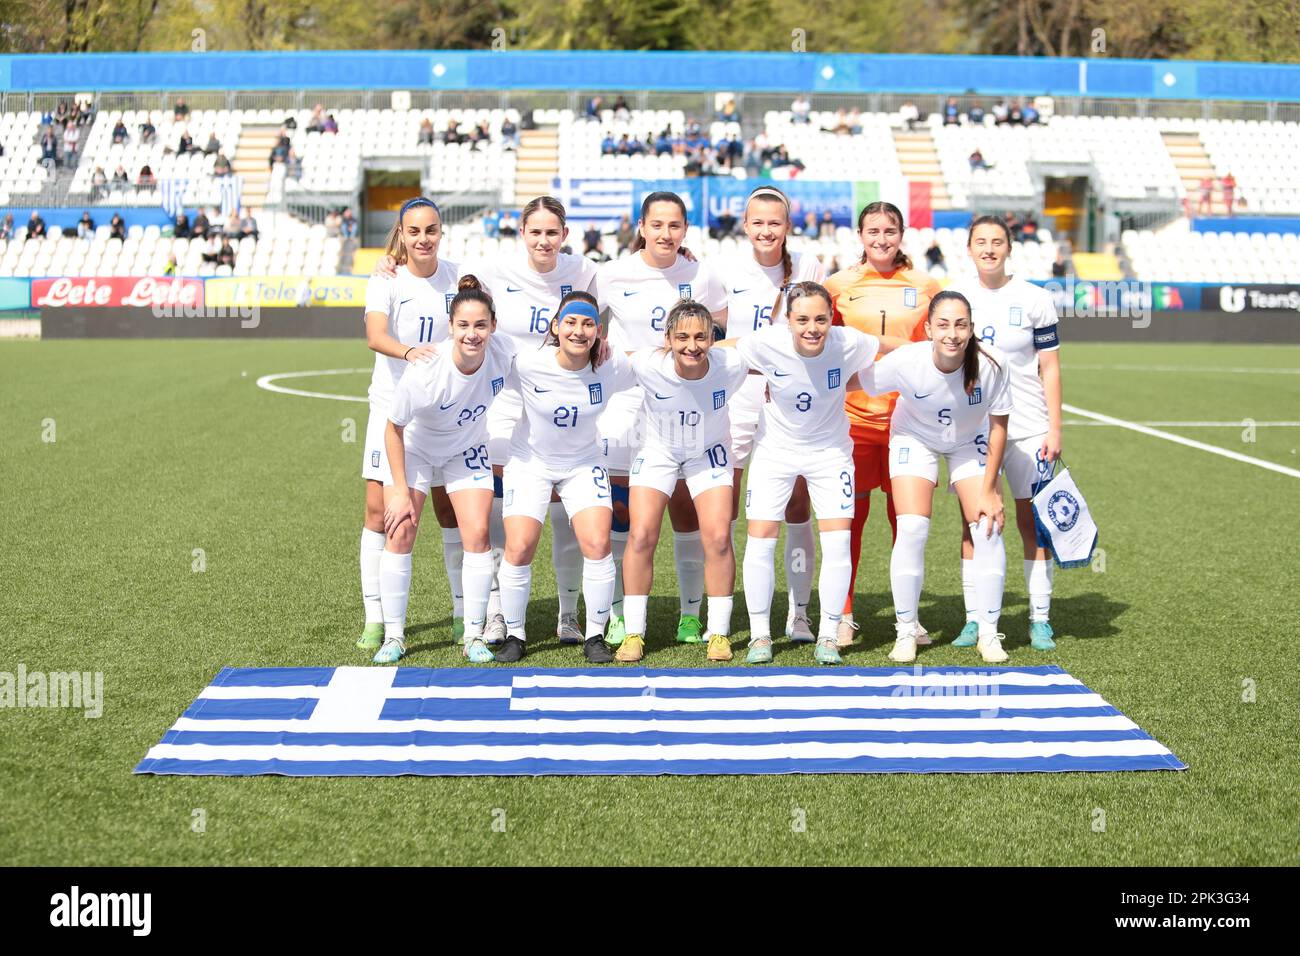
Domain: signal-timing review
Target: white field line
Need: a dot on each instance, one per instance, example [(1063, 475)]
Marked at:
[(1238, 424), (1229, 369), (268, 382), (1180, 440)]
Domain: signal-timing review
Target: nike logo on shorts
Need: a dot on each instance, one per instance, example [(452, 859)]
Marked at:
[(625, 294), (540, 391), (508, 289), (779, 374), (926, 395), (443, 408)]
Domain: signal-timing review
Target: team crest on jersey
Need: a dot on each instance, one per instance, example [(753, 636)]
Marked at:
[(593, 392), (909, 298), (902, 455), (684, 290), (565, 290), (374, 459), (719, 398), (510, 498), (450, 296), (497, 383), (833, 378), (1017, 315), (974, 397)]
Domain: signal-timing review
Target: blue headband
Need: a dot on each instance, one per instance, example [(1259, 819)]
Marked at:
[(417, 201), (578, 307)]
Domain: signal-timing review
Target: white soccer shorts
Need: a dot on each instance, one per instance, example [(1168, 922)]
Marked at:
[(467, 469), (1023, 467), (655, 468), (744, 411), (911, 456), (527, 487), (772, 474), (620, 429), (374, 463)]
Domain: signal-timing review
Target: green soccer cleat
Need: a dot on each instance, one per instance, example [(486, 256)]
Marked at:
[(371, 637), (970, 633), (827, 652), (760, 651), (690, 630), (617, 631), (392, 651), (1040, 636)]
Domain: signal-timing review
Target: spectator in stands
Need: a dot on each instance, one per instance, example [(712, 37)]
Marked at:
[(214, 144), (147, 177), (663, 144), (490, 218), (625, 235), (594, 106), (119, 176), (83, 114), (934, 260), (331, 124), (35, 226), (293, 166), (348, 225), (1028, 114), (977, 161), (186, 144), (98, 183), (841, 125), (1015, 117), (509, 134), (826, 228), (333, 224), (1207, 194), (49, 148), (117, 227), (855, 121), (1013, 224), (85, 226), (976, 115), (1029, 231), (453, 134), (61, 112), (202, 225), (226, 257), (7, 227), (316, 124), (290, 122), (909, 114), (1000, 112), (71, 140), (181, 230), (181, 110), (172, 265), (726, 225), (608, 145), (621, 112), (809, 227), (508, 224), (480, 135), (1061, 267), (232, 225), (1229, 186), (279, 153), (729, 113), (147, 132), (624, 147), (425, 136), (694, 133), (120, 135), (213, 250), (47, 118), (591, 239), (247, 224), (951, 114), (222, 166), (800, 109)]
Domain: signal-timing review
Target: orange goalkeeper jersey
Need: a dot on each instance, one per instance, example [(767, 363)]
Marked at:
[(893, 304)]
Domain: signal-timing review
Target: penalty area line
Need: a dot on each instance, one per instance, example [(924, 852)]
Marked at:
[(268, 382), (1180, 440)]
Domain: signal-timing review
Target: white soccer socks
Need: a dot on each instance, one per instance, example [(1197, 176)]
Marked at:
[(598, 577), (907, 565), (720, 614), (758, 577), (968, 587), (800, 558), (990, 575), (688, 556), (634, 613), (476, 575), (1038, 582), (566, 559), (394, 591), (453, 558), (833, 581), (516, 582), (617, 546), (372, 547)]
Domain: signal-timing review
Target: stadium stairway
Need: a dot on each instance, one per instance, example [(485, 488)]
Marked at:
[(252, 161), (1192, 162), (919, 160), (537, 163)]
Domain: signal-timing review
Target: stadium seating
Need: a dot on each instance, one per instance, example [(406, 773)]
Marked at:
[(1177, 254), (21, 172)]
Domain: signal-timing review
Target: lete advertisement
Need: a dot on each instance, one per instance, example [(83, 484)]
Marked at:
[(108, 291)]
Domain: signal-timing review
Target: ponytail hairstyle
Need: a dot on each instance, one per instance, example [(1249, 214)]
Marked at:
[(901, 260), (394, 247), (970, 363), (685, 311), (583, 303), (639, 242), (987, 220), (804, 290), (787, 265), (548, 203), (469, 289)]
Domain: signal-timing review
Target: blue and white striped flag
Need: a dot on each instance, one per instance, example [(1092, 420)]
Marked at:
[(368, 721), (172, 193), (232, 188)]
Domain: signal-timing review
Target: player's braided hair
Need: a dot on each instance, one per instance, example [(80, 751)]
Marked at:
[(970, 362)]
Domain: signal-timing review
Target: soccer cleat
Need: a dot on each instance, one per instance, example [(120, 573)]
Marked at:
[(632, 649), (922, 635), (1040, 636), (567, 629), (904, 651), (372, 636), (798, 629), (827, 652), (511, 650), (392, 651), (844, 632), (478, 652), (968, 636), (596, 651), (719, 647), (458, 630), (990, 648), (616, 632), (760, 651), (690, 630), (494, 632)]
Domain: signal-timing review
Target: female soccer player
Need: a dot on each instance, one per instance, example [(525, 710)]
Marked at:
[(758, 278), (1019, 319), (638, 291), (953, 404), (405, 314), (804, 433), (437, 436), (525, 288), (881, 295), (563, 393), (687, 386)]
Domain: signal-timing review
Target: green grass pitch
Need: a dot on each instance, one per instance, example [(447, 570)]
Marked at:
[(165, 447)]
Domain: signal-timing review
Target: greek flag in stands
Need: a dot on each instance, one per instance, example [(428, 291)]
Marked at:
[(370, 721), (172, 194)]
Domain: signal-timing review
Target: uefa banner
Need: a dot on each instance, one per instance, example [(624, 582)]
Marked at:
[(287, 291)]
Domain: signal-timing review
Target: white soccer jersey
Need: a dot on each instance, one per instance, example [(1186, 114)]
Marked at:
[(445, 410), (1010, 319), (639, 297), (933, 406), (561, 407), (686, 418), (806, 411), (752, 289), (417, 310), (524, 300)]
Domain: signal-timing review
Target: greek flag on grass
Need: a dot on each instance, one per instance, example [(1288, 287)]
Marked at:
[(367, 721)]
